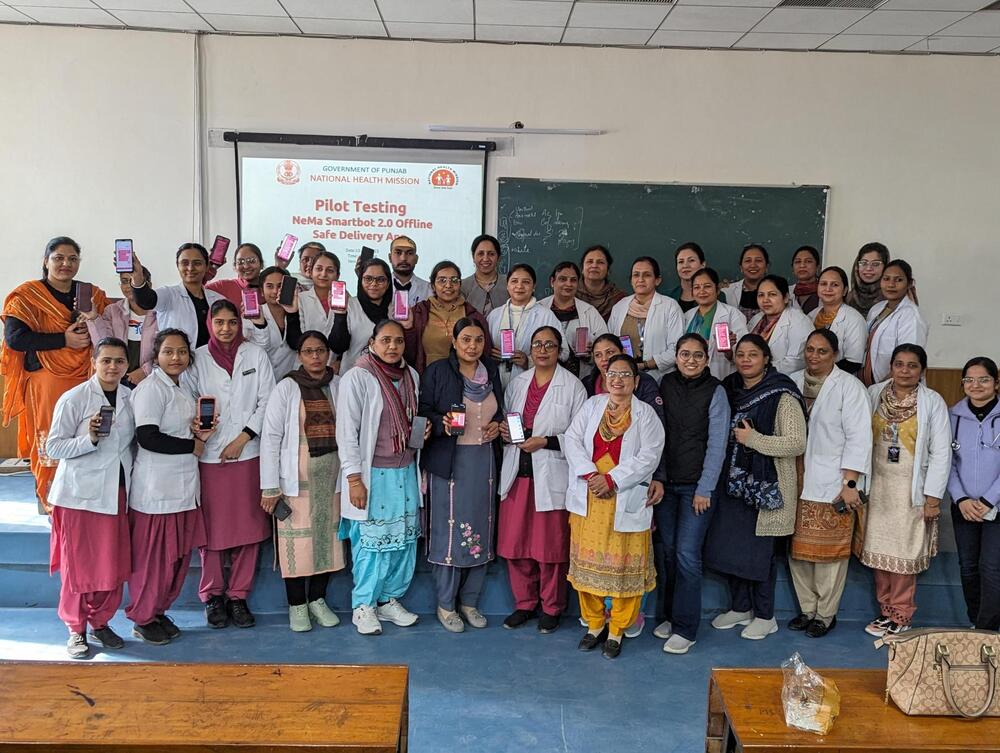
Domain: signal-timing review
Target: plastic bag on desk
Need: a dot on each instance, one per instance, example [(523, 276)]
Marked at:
[(811, 702)]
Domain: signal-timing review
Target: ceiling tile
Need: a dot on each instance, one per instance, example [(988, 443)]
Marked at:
[(617, 15), (353, 10), (500, 33), (669, 38), (9, 15), (968, 5), (251, 24), (779, 41), (956, 44), (154, 20), (175, 6), (904, 22), (341, 27), (53, 4), (977, 25), (870, 42), (429, 31), (731, 3), (428, 11), (809, 20), (695, 18), (239, 7), (522, 12), (85, 16), (606, 36)]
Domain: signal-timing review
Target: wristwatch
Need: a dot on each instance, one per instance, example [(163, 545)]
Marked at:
[(850, 483)]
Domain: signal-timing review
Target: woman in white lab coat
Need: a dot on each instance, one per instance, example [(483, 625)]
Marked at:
[(783, 328), (372, 304), (164, 516), (238, 375), (90, 537), (892, 321), (838, 454), (278, 328), (911, 462), (522, 315), (805, 268), (652, 322), (612, 448), (379, 484), (573, 314), (843, 320), (314, 303), (708, 313), (754, 263), (534, 525)]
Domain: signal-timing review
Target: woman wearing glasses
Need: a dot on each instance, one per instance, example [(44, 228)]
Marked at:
[(248, 263), (708, 316), (612, 447), (364, 311), (974, 487), (865, 277), (429, 329)]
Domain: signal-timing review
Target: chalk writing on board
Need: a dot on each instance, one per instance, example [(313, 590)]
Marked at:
[(526, 229)]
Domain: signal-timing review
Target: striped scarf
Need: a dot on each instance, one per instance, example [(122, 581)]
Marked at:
[(399, 405), (320, 425)]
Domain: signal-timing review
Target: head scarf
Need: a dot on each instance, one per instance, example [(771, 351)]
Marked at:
[(222, 353), (864, 295), (375, 311)]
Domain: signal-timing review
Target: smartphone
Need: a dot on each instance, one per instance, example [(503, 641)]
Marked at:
[(107, 417), (251, 303), (458, 420), (401, 305), (723, 341), (515, 427), (338, 296), (582, 336), (219, 248), (84, 298), (287, 295), (367, 254), (627, 346), (841, 506), (417, 430), (123, 255), (281, 510), (287, 248), (206, 412), (506, 344)]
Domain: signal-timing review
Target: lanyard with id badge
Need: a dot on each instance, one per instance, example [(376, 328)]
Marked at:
[(893, 455)]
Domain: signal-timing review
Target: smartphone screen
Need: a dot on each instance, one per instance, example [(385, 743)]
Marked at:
[(401, 305), (338, 296), (287, 249), (287, 295), (107, 416), (506, 344), (123, 255), (84, 299), (515, 427), (417, 429), (627, 346), (457, 420), (219, 248), (251, 304), (582, 335), (206, 412), (722, 339)]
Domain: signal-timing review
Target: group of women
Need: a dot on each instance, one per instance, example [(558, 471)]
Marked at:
[(618, 443)]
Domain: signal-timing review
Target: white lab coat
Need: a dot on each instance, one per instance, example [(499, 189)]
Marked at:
[(839, 435), (932, 463), (279, 437), (240, 399), (175, 309), (718, 364), (664, 327), (563, 399), (587, 316), (733, 292), (274, 342), (361, 329), (164, 483), (87, 476), (359, 399), (904, 325), (788, 339), (642, 445), (312, 315), (535, 317), (851, 331), (420, 290)]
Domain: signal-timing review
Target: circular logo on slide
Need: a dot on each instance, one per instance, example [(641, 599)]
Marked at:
[(288, 172), (443, 177)]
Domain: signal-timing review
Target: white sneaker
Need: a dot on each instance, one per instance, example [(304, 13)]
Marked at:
[(759, 629), (298, 619), (664, 630), (677, 645), (366, 621), (583, 623), (635, 629), (396, 613), (77, 647), (731, 619), (323, 614)]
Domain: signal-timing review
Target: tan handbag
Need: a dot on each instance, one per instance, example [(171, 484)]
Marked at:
[(940, 672)]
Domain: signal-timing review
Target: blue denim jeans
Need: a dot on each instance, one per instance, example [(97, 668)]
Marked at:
[(677, 546)]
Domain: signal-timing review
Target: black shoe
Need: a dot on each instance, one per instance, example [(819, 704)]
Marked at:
[(151, 632), (548, 623), (169, 626), (801, 622), (589, 641), (107, 637), (240, 613), (817, 628), (518, 617), (611, 648), (215, 612)]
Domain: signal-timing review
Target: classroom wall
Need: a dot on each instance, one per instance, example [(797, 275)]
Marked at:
[(907, 143)]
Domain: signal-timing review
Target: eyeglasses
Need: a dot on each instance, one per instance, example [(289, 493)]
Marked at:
[(246, 262), (371, 280), (869, 264), (687, 355), (982, 381), (448, 280), (548, 346), (314, 351), (619, 375)]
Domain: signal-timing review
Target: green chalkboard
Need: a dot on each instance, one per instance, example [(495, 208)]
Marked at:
[(544, 222)]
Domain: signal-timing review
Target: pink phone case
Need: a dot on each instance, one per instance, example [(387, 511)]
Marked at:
[(722, 340), (338, 296), (251, 304), (627, 346), (219, 248), (582, 335), (506, 343), (401, 305), (287, 249)]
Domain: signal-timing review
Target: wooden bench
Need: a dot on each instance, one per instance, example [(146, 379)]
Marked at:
[(195, 708), (745, 714)]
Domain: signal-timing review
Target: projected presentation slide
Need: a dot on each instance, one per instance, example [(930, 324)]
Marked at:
[(347, 204)]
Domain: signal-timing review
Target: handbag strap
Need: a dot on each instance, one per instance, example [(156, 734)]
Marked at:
[(989, 659)]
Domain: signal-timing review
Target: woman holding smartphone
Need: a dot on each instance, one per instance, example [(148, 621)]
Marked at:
[(92, 431), (841, 319), (277, 329), (379, 483), (462, 400), (247, 263), (534, 524), (708, 316), (299, 463), (315, 311), (164, 520), (237, 375), (352, 331)]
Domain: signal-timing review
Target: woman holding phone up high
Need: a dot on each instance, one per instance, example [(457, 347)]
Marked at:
[(277, 329)]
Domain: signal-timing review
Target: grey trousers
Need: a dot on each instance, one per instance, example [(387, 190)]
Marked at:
[(461, 583)]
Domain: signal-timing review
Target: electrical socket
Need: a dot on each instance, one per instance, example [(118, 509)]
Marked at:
[(951, 320)]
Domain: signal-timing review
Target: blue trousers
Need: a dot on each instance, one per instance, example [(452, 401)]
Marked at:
[(379, 575)]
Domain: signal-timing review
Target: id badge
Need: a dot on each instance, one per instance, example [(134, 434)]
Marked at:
[(893, 453)]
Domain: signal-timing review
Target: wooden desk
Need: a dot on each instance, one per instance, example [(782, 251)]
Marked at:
[(745, 714), (196, 708)]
